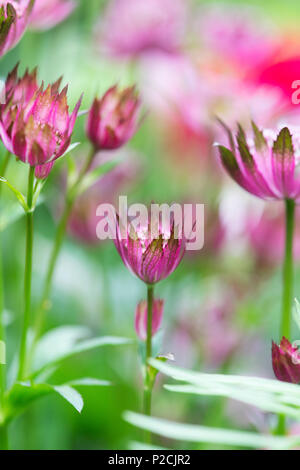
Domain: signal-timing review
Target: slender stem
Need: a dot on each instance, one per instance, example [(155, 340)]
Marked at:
[(148, 385), (27, 278), (60, 234), (3, 428), (287, 295)]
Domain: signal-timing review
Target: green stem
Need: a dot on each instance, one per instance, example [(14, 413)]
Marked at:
[(287, 296), (60, 234), (148, 385), (3, 428), (27, 278)]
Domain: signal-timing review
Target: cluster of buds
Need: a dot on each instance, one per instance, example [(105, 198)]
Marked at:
[(14, 19), (35, 124), (112, 120)]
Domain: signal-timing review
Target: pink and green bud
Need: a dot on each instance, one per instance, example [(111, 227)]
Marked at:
[(141, 318), (35, 124), (286, 361), (14, 19), (264, 165), (48, 13), (113, 119), (151, 254)]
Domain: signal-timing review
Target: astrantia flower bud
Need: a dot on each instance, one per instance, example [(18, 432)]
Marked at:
[(48, 13), (152, 255), (35, 124), (112, 120), (141, 316), (286, 361), (14, 18)]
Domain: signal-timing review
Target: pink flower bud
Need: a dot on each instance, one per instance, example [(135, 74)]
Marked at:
[(35, 124), (14, 20), (151, 253), (286, 361), (112, 120), (141, 316)]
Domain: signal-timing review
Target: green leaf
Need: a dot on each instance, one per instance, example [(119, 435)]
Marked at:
[(266, 394), (57, 343), (22, 395), (89, 382), (63, 352), (204, 434), (20, 197), (71, 395), (261, 400), (296, 313)]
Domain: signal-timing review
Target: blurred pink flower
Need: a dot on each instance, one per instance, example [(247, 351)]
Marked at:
[(14, 20), (132, 27), (286, 361), (266, 165), (266, 234), (237, 34), (48, 13), (83, 220), (141, 316), (35, 124), (149, 257), (113, 119)]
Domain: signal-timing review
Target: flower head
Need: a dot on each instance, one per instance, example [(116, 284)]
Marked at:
[(286, 361), (141, 316), (132, 27), (112, 120), (265, 165), (14, 19), (35, 124), (48, 13), (152, 252)]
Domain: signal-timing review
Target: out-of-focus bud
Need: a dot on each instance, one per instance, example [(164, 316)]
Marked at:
[(141, 317), (286, 361), (113, 119)]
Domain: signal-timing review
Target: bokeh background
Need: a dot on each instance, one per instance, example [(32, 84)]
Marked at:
[(234, 60)]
